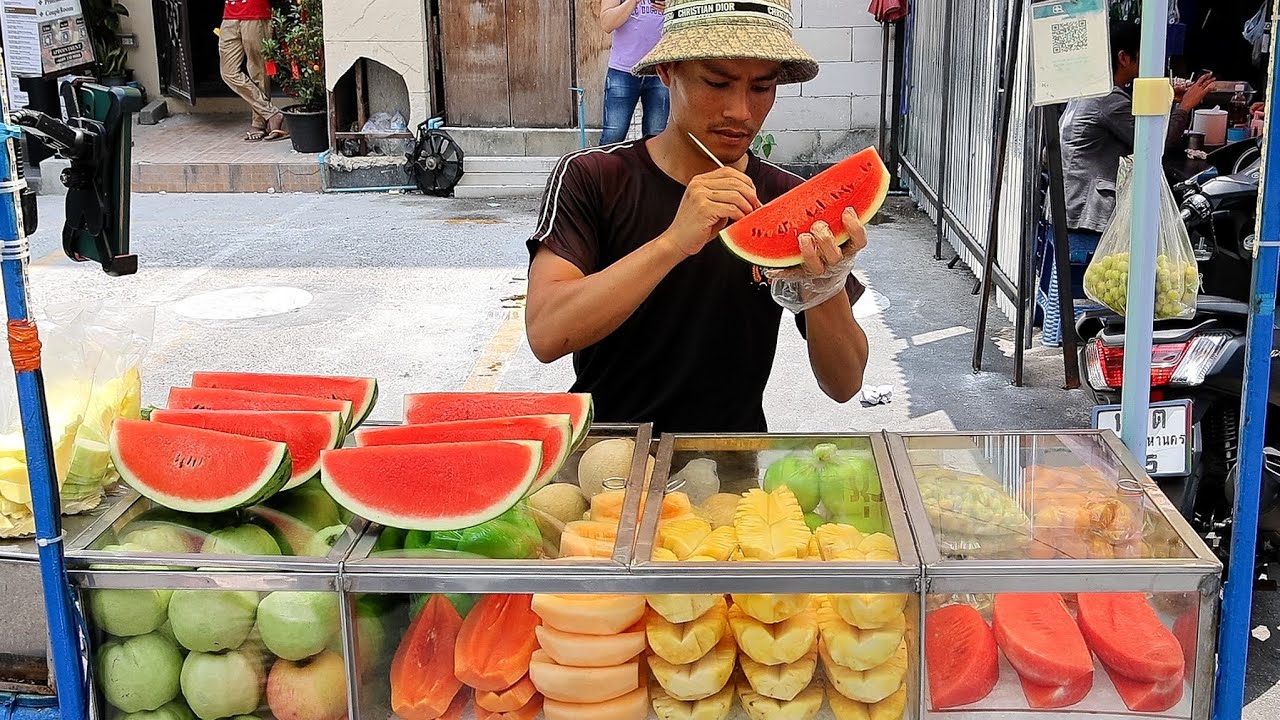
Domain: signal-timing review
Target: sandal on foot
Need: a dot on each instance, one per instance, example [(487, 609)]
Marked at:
[(277, 135), (254, 135)]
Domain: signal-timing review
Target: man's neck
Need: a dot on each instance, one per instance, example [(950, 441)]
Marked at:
[(675, 153)]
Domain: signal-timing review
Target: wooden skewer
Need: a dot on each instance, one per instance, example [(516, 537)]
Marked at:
[(704, 149)]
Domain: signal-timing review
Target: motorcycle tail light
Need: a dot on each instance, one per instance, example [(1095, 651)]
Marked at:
[(1203, 354), (1097, 364), (1106, 364)]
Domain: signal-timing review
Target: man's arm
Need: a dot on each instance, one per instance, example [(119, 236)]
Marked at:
[(1118, 116), (838, 347), (614, 13)]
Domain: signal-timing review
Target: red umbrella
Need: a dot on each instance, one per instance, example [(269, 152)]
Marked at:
[(889, 11)]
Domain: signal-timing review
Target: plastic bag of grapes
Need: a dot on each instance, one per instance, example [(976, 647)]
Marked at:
[(1106, 280)]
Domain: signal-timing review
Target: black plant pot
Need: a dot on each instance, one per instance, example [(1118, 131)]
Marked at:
[(308, 129), (120, 80)]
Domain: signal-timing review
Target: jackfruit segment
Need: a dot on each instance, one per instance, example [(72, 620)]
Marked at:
[(687, 642), (774, 644), (868, 686), (697, 680), (869, 611), (854, 647), (719, 545), (683, 536), (890, 708), (781, 682), (770, 526), (805, 706), (715, 707)]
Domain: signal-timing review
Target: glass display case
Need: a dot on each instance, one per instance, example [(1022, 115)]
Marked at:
[(1058, 579)]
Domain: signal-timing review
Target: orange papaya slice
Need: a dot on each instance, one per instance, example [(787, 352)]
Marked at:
[(528, 711), (458, 706), (509, 700), (423, 684), (496, 642)]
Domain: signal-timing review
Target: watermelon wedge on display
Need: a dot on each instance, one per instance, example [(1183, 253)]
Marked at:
[(441, 486), (960, 657), (1041, 640), (1123, 630), (555, 432), (1049, 697), (305, 432), (424, 408), (1140, 696), (182, 398), (770, 235), (361, 392), (196, 470)]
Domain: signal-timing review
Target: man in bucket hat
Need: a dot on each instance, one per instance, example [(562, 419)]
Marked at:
[(665, 325)]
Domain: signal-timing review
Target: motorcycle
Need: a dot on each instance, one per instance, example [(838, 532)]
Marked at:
[(1200, 360)]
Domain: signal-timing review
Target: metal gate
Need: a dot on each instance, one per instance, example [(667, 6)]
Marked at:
[(173, 49), (955, 52)]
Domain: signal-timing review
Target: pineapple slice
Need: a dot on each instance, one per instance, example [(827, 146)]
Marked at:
[(716, 707), (836, 540), (870, 611), (719, 545), (868, 686), (774, 644), (697, 680), (770, 526), (773, 608), (681, 608), (687, 642), (781, 682), (805, 706), (891, 708), (815, 549), (683, 536), (878, 547), (855, 648)]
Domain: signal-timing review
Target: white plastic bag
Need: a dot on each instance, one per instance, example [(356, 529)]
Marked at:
[(1106, 280)]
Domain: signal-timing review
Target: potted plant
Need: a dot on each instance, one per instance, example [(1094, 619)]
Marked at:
[(103, 21), (295, 58)]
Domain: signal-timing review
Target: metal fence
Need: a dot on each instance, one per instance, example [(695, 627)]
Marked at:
[(954, 55)]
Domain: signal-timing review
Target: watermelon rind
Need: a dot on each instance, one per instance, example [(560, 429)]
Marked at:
[(791, 199), (473, 451), (271, 476), (224, 421), (287, 383), (424, 408)]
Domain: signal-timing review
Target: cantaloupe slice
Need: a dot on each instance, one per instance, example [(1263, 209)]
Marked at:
[(607, 506), (589, 614), (868, 686), (579, 650), (774, 644), (683, 643), (588, 538), (853, 647), (565, 683), (781, 682), (632, 706), (700, 679), (528, 711), (509, 700)]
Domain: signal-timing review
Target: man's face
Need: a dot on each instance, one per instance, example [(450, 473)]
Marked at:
[(1126, 68), (722, 102)]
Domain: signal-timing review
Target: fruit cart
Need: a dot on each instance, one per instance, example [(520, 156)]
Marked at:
[(1059, 579)]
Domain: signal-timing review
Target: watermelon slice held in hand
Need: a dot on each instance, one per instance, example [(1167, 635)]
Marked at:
[(441, 486), (196, 470), (770, 235)]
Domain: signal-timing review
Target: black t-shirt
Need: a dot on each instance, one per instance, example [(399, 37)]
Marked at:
[(696, 355)]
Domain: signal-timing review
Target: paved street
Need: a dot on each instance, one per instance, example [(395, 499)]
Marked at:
[(426, 294)]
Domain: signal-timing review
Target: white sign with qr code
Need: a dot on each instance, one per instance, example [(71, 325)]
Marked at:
[(1070, 49)]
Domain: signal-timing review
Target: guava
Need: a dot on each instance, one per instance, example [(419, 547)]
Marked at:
[(160, 538), (240, 540), (219, 685), (850, 484), (297, 625), (172, 710), (323, 541), (139, 673), (212, 620), (371, 639), (309, 503), (125, 613), (799, 473)]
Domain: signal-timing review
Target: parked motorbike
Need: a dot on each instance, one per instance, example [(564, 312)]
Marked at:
[(1201, 359)]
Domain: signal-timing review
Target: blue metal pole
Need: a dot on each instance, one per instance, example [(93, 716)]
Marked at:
[(1237, 596), (64, 629), (1148, 146)]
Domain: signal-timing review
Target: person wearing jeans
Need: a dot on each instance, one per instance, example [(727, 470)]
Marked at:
[(636, 26)]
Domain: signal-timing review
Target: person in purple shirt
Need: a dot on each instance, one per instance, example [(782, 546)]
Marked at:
[(636, 26)]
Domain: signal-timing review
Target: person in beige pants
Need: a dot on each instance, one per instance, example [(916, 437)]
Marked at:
[(245, 24)]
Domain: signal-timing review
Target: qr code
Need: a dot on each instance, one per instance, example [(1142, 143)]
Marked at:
[(1069, 36)]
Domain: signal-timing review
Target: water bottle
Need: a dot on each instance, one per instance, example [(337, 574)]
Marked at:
[(1238, 112)]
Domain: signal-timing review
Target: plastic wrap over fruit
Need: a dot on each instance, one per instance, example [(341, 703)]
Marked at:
[(970, 505)]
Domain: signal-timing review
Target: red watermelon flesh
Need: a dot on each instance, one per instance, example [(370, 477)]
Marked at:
[(1141, 696), (1125, 633), (1187, 629), (1040, 638), (441, 486), (305, 432), (770, 235), (197, 470), (426, 408), (361, 392), (960, 656), (181, 398), (554, 432), (1047, 697)]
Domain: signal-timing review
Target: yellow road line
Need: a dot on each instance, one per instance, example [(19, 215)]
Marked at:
[(52, 258), (489, 368)]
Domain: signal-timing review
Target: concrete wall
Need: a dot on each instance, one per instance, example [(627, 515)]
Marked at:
[(393, 32), (143, 59), (836, 113)]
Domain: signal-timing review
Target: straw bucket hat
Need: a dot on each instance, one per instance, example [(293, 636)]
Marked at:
[(730, 29)]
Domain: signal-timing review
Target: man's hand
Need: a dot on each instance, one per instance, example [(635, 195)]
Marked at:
[(821, 253), (659, 5), (1196, 92), (711, 202)]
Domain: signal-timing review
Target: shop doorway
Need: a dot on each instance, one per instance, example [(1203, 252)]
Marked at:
[(187, 49)]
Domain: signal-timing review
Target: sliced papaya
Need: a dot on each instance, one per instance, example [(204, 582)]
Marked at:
[(423, 684), (580, 650), (508, 700), (528, 711), (632, 706), (458, 706), (496, 642), (589, 614)]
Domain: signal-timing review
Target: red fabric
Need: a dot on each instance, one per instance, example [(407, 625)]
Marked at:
[(889, 11), (247, 10)]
